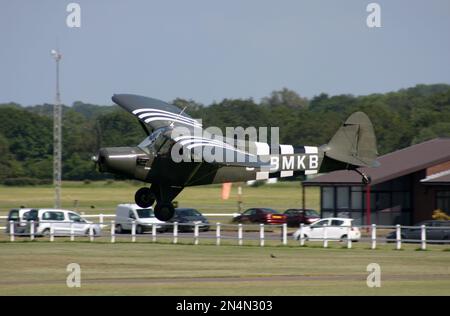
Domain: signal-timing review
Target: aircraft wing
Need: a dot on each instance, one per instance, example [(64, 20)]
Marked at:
[(154, 113)]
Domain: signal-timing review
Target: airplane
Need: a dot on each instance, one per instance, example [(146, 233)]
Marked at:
[(171, 160)]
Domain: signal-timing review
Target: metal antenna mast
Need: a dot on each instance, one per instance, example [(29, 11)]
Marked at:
[(57, 136)]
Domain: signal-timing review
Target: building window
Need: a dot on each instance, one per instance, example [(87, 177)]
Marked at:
[(357, 198), (328, 197), (343, 197), (443, 201)]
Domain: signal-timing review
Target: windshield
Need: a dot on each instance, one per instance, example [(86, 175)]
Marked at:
[(188, 212), (311, 213), (31, 215), (13, 215), (152, 143), (145, 213), (269, 210)]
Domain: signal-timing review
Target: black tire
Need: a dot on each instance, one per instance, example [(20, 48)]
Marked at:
[(343, 238), (164, 211), (46, 232), (144, 197), (94, 232), (139, 230), (119, 229)]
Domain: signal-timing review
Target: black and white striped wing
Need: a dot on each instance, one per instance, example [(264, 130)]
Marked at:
[(154, 113)]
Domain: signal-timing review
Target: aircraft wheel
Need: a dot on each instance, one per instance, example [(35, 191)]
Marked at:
[(144, 197), (164, 211)]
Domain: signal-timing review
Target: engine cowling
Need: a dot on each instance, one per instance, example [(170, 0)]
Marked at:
[(130, 162)]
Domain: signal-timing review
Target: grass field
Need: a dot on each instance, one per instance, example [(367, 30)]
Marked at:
[(165, 269), (162, 268), (102, 197)]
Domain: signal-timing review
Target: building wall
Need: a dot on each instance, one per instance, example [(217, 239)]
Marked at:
[(424, 196), (438, 168)]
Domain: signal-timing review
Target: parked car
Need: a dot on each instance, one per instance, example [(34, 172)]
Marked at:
[(261, 216), (337, 229), (187, 218), (20, 223), (295, 217), (438, 231), (144, 218), (61, 221)]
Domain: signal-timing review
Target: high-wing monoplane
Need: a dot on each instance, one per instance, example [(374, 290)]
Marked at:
[(178, 153)]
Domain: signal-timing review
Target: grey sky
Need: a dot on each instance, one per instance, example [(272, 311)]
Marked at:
[(209, 50)]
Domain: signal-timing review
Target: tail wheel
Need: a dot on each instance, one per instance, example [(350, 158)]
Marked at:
[(144, 197), (164, 211)]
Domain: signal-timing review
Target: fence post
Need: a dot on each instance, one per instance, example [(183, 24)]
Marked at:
[(113, 231), (133, 231), (423, 234), (284, 232), (196, 234), (218, 234), (325, 236), (175, 232), (240, 234), (11, 231), (261, 235), (32, 230), (374, 236), (153, 233), (302, 235), (100, 218), (91, 233), (72, 233), (52, 232), (349, 239), (398, 237)]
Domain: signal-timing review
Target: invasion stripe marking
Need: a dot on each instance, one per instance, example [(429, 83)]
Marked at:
[(286, 149)]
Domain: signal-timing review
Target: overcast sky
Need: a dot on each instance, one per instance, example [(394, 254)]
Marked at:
[(209, 50)]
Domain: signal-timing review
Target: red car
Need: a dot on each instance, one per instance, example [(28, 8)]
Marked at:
[(295, 217), (261, 216)]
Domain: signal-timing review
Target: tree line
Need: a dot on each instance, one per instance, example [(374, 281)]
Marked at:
[(400, 118)]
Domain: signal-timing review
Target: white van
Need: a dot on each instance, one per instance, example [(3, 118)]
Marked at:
[(61, 221), (144, 217)]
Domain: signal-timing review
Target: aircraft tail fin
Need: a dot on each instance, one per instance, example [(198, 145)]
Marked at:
[(354, 143)]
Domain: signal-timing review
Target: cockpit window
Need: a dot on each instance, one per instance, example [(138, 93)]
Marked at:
[(152, 143)]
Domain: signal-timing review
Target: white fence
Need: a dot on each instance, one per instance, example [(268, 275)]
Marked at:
[(101, 217), (237, 232)]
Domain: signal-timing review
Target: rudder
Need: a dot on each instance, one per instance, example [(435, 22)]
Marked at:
[(354, 143)]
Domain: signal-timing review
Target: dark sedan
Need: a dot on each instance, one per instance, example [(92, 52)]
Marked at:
[(435, 231), (295, 217), (187, 218), (261, 216)]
